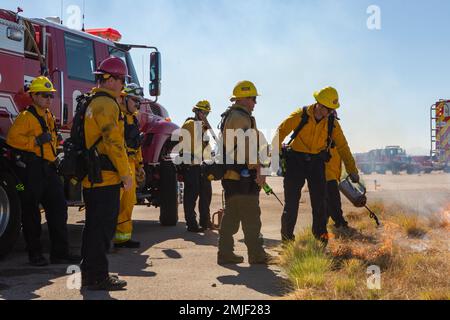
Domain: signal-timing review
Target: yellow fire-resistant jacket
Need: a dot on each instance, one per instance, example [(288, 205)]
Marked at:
[(313, 138), (201, 150), (26, 128), (241, 119), (134, 154), (102, 120)]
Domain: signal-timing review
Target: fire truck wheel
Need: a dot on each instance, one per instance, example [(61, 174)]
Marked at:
[(169, 195), (10, 214)]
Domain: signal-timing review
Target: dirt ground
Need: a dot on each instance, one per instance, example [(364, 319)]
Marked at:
[(173, 264)]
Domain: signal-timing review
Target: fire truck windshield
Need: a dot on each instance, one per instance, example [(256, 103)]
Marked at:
[(125, 56)]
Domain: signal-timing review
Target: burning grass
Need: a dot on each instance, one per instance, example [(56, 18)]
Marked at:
[(340, 271)]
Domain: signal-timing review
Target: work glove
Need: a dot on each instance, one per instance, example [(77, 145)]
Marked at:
[(43, 139), (354, 177)]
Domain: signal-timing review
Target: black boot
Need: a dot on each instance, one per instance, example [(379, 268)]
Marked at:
[(195, 229), (229, 258), (38, 260), (263, 258), (111, 283)]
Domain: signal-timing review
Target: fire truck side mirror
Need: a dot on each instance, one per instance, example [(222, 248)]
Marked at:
[(155, 74)]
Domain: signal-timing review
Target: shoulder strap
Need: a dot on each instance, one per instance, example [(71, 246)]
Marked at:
[(136, 121), (303, 123), (330, 142), (39, 118), (44, 127)]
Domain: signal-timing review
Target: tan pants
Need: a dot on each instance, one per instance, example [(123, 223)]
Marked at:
[(127, 201)]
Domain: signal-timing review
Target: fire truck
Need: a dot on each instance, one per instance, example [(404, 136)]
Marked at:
[(440, 135), (391, 158), (33, 47)]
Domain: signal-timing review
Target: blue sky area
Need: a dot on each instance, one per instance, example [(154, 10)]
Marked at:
[(387, 78)]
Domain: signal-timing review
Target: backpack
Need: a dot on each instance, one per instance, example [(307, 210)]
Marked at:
[(77, 161)]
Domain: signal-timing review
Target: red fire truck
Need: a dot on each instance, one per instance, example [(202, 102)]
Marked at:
[(33, 47), (440, 135), (394, 159)]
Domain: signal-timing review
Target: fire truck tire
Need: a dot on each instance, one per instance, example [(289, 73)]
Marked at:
[(10, 214), (169, 195)]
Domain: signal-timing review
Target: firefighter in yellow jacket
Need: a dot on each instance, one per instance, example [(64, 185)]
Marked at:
[(306, 157), (102, 195), (34, 137), (242, 181), (131, 100), (196, 184)]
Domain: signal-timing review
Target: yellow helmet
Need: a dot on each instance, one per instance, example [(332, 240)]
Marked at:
[(203, 105), (244, 89), (328, 97), (41, 84)]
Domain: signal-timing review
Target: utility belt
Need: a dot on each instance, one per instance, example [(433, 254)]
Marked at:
[(216, 171), (308, 157), (31, 168), (24, 158), (288, 152), (96, 164), (245, 186)]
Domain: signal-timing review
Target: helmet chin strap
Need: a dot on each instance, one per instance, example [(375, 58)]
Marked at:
[(126, 104)]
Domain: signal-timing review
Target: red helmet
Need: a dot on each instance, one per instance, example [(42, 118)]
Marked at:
[(113, 66)]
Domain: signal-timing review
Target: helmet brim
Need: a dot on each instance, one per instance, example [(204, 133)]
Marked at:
[(234, 98), (317, 97), (99, 72)]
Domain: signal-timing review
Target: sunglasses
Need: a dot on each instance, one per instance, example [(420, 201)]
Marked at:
[(47, 95), (136, 101)]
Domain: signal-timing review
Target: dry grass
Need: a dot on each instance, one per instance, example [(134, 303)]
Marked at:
[(440, 220), (411, 224), (340, 271)]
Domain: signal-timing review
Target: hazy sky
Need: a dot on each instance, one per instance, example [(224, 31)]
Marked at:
[(387, 78)]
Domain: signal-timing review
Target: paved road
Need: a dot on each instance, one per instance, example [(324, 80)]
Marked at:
[(174, 264)]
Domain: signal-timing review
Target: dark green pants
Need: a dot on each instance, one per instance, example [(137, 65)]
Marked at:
[(241, 206)]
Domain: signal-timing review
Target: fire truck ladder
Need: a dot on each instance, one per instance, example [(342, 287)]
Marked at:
[(433, 126)]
